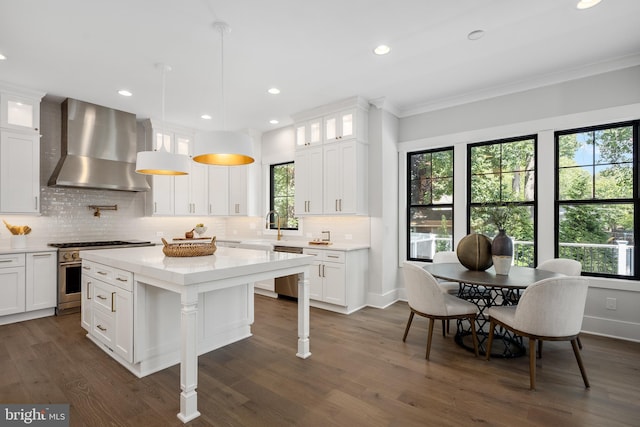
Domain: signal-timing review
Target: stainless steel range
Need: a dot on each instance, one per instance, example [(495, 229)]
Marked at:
[(70, 269)]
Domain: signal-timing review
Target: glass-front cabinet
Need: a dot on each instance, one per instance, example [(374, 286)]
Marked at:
[(340, 126), (309, 132), (19, 112)]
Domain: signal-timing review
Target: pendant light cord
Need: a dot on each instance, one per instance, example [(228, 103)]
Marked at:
[(224, 118)]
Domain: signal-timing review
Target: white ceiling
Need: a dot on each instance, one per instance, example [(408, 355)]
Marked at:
[(316, 52)]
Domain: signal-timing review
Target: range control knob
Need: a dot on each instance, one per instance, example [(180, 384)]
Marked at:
[(75, 255), (66, 256)]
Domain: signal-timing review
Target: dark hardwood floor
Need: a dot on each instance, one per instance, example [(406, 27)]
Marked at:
[(360, 374)]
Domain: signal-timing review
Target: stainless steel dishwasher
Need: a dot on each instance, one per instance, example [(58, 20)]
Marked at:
[(287, 285)]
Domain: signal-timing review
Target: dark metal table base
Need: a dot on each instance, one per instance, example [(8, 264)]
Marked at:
[(505, 343)]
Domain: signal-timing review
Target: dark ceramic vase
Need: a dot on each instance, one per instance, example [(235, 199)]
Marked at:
[(502, 252)]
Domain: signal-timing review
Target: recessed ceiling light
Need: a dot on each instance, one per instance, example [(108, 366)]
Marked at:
[(274, 91), (475, 35), (2, 57), (124, 92), (586, 4), (274, 121), (383, 49), (205, 116)]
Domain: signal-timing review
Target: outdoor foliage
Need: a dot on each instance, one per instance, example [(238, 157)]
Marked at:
[(283, 194)]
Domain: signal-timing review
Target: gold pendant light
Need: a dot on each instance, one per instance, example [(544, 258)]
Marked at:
[(223, 148), (159, 161)]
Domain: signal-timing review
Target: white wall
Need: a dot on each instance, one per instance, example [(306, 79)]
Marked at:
[(383, 202), (606, 98)]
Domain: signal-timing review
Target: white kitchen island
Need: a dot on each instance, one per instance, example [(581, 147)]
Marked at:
[(135, 298)]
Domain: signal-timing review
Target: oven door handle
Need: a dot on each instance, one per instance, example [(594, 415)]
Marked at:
[(70, 264)]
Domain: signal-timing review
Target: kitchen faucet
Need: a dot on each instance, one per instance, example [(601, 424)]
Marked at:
[(277, 223)]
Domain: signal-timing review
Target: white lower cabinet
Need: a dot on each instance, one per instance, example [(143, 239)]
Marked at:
[(28, 285), (41, 281), (107, 307), (12, 283), (338, 279)]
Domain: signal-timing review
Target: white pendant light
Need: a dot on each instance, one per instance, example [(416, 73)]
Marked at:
[(160, 162), (224, 148)]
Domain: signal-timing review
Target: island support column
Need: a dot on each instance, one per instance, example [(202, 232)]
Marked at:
[(303, 315), (189, 355)]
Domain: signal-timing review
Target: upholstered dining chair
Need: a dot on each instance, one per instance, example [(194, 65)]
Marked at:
[(427, 299), (568, 267), (550, 310), (447, 257)]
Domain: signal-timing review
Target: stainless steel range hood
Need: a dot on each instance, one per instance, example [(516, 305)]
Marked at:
[(98, 149)]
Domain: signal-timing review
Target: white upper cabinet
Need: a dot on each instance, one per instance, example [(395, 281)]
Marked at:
[(218, 190), (19, 151), (190, 190), (309, 132), (20, 112), (345, 178), (308, 169), (340, 125), (19, 172), (162, 186), (238, 195), (331, 179)]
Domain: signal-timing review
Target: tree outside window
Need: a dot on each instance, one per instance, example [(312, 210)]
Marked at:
[(597, 198), (430, 203), (282, 197), (502, 180)]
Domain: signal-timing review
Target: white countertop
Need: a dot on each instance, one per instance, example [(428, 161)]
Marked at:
[(225, 263), (296, 244), (7, 249)]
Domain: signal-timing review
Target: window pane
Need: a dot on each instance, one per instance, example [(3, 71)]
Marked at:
[(421, 191), (430, 203), (442, 189), (518, 155), (485, 188), (486, 159), (518, 186), (575, 183), (442, 163), (614, 145), (614, 181), (431, 231), (519, 226), (601, 236), (283, 195)]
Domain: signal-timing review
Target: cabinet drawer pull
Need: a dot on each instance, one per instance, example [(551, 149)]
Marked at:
[(113, 302), (102, 297), (102, 272), (41, 255), (6, 260), (102, 328), (332, 256), (84, 267), (319, 270), (88, 290), (120, 279), (323, 275)]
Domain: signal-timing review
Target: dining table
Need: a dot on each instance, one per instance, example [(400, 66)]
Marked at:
[(485, 289)]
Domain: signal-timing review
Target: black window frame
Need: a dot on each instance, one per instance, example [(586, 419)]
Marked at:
[(634, 200), (272, 225), (533, 203), (410, 205)]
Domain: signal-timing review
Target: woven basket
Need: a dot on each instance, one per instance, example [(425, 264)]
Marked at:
[(189, 249)]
